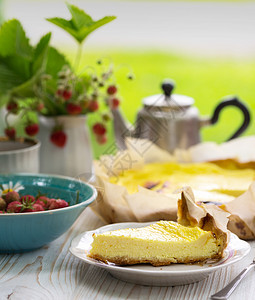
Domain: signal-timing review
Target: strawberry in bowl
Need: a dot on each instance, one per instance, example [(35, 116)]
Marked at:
[(41, 210), (11, 202)]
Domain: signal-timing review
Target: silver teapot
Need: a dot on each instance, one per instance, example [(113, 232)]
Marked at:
[(171, 121)]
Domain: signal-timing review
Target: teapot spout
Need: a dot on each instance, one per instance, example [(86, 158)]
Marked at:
[(122, 129)]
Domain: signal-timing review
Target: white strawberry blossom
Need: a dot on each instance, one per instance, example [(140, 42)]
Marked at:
[(11, 187)]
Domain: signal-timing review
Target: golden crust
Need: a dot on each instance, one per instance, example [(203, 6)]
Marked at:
[(206, 222), (221, 236), (155, 262), (183, 213)]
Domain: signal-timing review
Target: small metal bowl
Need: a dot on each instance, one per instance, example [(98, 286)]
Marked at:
[(19, 155)]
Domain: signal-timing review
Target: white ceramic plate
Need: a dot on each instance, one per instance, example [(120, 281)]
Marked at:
[(175, 274)]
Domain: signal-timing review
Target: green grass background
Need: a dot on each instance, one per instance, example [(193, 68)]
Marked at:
[(207, 80)]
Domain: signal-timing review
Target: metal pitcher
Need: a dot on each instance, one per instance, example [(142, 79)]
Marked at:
[(172, 121)]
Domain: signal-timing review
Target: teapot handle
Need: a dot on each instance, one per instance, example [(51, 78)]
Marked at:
[(233, 102)]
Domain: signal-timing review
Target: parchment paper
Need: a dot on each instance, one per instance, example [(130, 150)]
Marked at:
[(115, 204)]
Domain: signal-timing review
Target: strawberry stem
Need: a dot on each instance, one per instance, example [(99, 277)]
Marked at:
[(6, 119), (78, 57), (39, 194)]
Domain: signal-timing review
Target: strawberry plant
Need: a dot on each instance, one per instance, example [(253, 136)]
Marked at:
[(39, 80)]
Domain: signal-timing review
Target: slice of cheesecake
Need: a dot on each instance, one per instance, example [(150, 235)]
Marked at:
[(165, 242), (162, 243)]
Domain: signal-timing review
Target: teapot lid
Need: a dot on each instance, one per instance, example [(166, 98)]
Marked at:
[(167, 99)]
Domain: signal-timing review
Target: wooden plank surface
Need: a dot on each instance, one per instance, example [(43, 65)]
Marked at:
[(53, 273)]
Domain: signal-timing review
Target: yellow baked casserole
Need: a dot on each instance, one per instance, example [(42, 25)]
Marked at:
[(208, 181)]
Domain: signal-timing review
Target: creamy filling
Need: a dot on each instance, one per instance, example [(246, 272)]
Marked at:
[(167, 177), (161, 241)]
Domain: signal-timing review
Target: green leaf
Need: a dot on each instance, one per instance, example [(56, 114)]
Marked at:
[(8, 78), (18, 74), (52, 107), (15, 55), (79, 18), (3, 100), (81, 24), (26, 89), (40, 53), (84, 32), (66, 25), (13, 40), (55, 62), (19, 65)]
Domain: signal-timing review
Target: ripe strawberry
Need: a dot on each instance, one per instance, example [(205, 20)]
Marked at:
[(12, 107), (32, 129), (34, 207), (101, 139), (67, 94), (99, 129), (41, 203), (58, 138), (10, 197), (59, 93), (58, 203), (14, 207), (49, 202), (111, 90), (40, 106), (114, 103), (93, 105), (73, 109), (27, 202), (38, 207), (44, 201), (27, 210), (10, 132)]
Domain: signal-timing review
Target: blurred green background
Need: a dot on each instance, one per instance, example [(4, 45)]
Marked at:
[(206, 80)]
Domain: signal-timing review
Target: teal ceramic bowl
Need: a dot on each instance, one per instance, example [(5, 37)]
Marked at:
[(21, 232)]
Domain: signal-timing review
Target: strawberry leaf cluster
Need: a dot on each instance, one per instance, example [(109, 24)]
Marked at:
[(81, 25)]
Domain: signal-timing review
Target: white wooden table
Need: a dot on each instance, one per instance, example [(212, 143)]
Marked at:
[(53, 273)]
